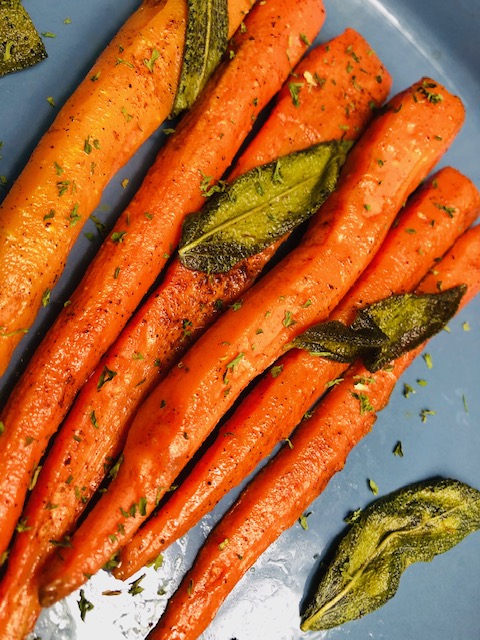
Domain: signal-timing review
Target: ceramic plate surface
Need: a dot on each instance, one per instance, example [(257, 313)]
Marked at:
[(436, 601)]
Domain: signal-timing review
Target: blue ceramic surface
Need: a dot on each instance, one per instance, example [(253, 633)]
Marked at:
[(436, 601)]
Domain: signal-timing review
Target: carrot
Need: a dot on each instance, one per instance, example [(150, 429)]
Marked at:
[(129, 261), (90, 139), (183, 409), (284, 488), (435, 215), (181, 307)]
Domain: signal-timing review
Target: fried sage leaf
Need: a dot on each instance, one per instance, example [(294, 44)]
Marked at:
[(260, 207), (20, 43), (414, 524), (206, 41), (339, 342), (383, 330), (408, 320)]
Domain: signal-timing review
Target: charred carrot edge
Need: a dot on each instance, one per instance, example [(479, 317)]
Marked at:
[(281, 492), (128, 262), (434, 217), (176, 312), (184, 408), (119, 104)]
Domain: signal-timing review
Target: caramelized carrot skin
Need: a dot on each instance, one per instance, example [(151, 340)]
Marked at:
[(205, 143), (90, 139), (281, 492), (175, 419), (446, 205)]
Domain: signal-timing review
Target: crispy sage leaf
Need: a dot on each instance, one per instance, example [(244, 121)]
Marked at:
[(383, 330), (206, 41), (260, 207), (20, 43), (414, 524), (336, 341)]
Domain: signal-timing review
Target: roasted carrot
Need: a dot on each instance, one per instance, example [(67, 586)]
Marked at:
[(113, 111), (408, 137), (434, 217), (130, 259), (181, 307), (284, 488)]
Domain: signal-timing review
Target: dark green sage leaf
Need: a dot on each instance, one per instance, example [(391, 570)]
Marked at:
[(408, 320), (336, 341), (383, 330), (206, 40), (412, 525), (20, 43), (260, 207)]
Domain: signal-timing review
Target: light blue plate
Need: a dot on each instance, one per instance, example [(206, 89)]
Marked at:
[(436, 601)]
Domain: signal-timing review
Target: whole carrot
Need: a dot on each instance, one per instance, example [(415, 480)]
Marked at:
[(434, 217), (284, 488), (119, 104), (131, 258), (181, 307), (408, 138)]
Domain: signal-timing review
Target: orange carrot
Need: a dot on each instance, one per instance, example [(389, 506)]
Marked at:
[(183, 305), (408, 138), (128, 262), (284, 488), (435, 216), (89, 141)]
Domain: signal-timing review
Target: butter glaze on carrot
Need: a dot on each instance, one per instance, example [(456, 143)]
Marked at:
[(129, 260), (446, 205), (287, 485), (118, 105), (409, 137)]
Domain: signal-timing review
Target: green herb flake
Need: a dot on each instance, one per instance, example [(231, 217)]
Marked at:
[(231, 366), (276, 370), (295, 89), (398, 449), (365, 404), (288, 319), (408, 390), (46, 295), (150, 63), (303, 520), (424, 413), (118, 236), (428, 360), (84, 605), (106, 375), (93, 419), (135, 588), (372, 485)]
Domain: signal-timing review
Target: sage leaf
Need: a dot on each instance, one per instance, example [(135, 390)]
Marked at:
[(384, 330), (20, 43), (259, 207), (206, 41), (411, 525), (339, 342), (408, 320)]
